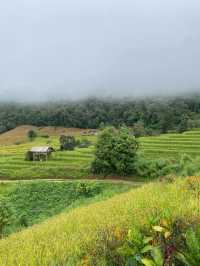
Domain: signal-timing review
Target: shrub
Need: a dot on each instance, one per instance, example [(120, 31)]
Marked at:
[(115, 152), (159, 245), (191, 254), (159, 168), (152, 168), (32, 134), (67, 142), (6, 215), (29, 156), (139, 129), (45, 136), (87, 190), (85, 143), (18, 142)]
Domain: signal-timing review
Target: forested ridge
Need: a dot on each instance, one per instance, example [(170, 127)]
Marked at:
[(148, 116)]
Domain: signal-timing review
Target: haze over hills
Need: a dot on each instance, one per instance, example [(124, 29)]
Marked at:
[(99, 132), (66, 49)]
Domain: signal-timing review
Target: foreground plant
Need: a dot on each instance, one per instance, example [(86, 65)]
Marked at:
[(191, 254), (159, 247), (6, 215)]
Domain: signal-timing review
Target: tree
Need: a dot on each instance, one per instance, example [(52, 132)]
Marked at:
[(183, 126), (67, 142), (139, 129), (31, 134), (115, 152), (6, 215)]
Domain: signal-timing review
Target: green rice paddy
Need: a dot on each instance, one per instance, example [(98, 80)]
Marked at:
[(171, 145), (76, 164)]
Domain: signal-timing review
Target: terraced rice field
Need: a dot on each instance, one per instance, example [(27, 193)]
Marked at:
[(172, 145), (76, 164), (61, 164)]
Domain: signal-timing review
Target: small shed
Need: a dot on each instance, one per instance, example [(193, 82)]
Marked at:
[(41, 153)]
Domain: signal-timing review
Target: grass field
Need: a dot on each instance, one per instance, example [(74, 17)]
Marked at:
[(76, 164), (81, 227), (33, 202), (172, 145), (70, 164), (69, 237)]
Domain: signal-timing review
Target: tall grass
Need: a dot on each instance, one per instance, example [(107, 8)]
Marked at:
[(33, 202), (66, 238)]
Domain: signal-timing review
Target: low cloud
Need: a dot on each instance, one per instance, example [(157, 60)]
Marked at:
[(110, 48)]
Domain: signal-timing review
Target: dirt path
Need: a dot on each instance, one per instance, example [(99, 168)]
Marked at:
[(134, 182)]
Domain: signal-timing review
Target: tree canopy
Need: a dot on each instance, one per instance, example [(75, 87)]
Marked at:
[(115, 152), (147, 117)]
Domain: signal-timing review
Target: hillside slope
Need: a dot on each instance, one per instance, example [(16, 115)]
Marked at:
[(19, 134), (67, 238), (172, 145), (76, 164)]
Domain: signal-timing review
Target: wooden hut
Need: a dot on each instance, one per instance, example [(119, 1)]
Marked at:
[(41, 153)]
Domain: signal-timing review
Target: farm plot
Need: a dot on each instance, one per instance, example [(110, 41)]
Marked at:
[(76, 164), (171, 145), (62, 164)]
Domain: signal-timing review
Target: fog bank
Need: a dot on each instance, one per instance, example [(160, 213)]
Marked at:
[(58, 49)]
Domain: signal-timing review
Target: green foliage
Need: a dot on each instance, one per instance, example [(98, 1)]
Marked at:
[(36, 201), (183, 126), (32, 134), (29, 156), (71, 238), (67, 143), (46, 136), (84, 143), (191, 255), (115, 152), (139, 250), (151, 169), (139, 129), (157, 115), (6, 215), (87, 190), (161, 168), (159, 245)]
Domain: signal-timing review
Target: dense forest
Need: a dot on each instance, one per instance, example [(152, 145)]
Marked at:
[(146, 116)]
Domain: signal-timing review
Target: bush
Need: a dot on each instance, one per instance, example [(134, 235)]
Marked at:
[(191, 254), (184, 166), (29, 156), (139, 129), (152, 168), (18, 142), (84, 143), (45, 136), (115, 152), (31, 134), (67, 143), (6, 215), (87, 190)]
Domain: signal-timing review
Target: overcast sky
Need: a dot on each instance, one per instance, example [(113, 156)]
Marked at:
[(80, 48)]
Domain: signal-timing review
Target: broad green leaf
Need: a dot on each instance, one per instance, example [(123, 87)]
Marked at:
[(148, 262), (147, 239), (147, 248), (157, 256)]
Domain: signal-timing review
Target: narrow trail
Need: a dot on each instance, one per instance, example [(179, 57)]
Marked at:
[(109, 180)]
